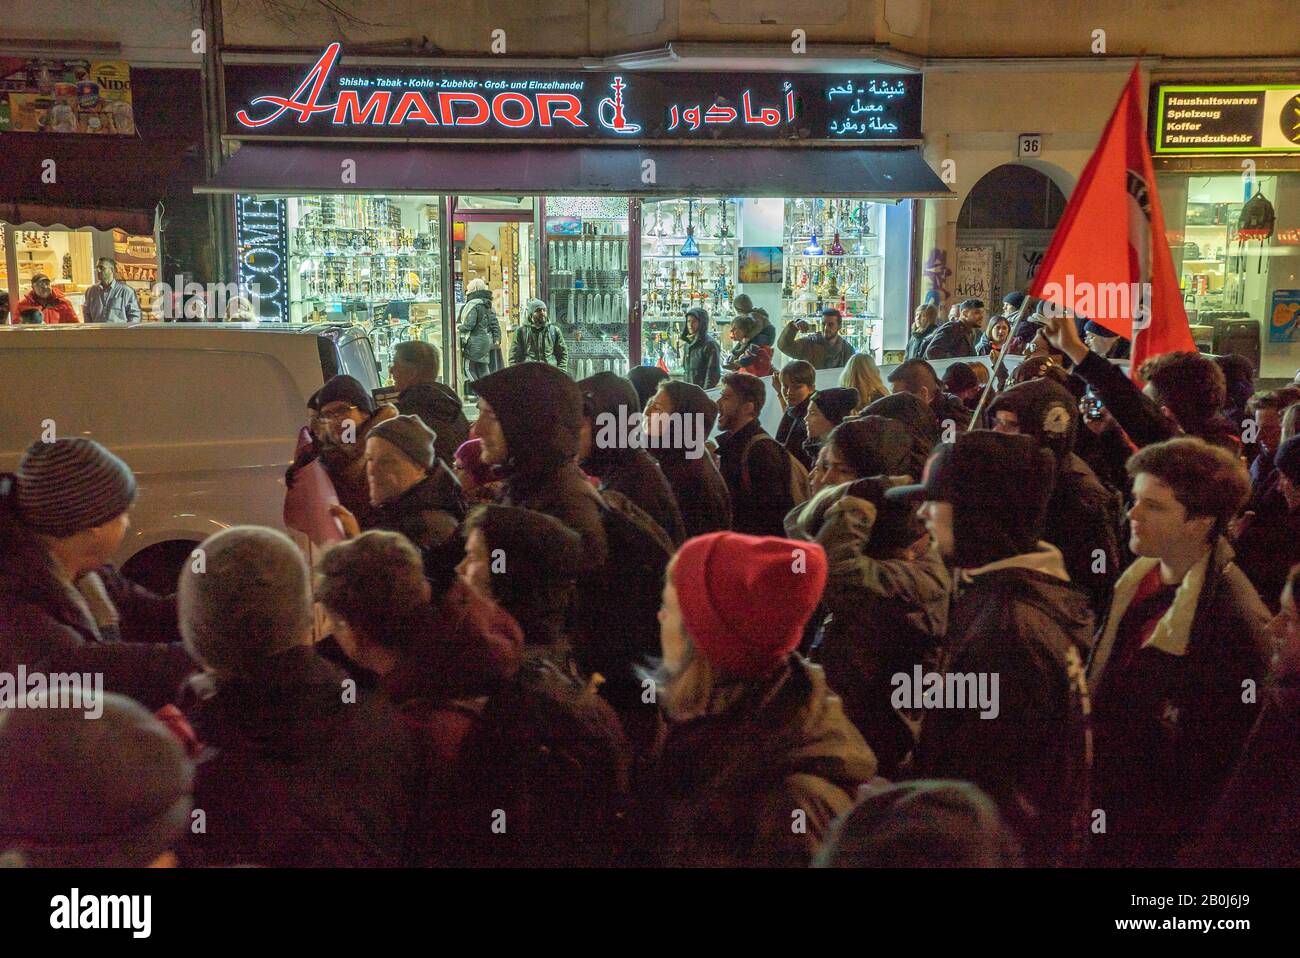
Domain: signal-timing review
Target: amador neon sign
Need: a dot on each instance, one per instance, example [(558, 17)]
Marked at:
[(474, 103)]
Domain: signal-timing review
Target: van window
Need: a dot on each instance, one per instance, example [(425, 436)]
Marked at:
[(124, 397), (357, 358), (329, 359)]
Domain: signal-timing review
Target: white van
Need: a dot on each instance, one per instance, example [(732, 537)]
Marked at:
[(206, 414)]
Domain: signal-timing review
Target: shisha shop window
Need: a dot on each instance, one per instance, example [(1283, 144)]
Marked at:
[(587, 258), (689, 251), (374, 260), (834, 257)]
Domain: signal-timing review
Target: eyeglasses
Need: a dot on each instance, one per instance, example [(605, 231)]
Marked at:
[(333, 414)]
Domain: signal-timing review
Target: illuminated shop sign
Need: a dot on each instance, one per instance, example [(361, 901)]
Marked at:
[(563, 105), (262, 237), (1260, 118)]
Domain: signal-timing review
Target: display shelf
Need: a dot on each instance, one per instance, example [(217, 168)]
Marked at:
[(587, 281), (849, 281)]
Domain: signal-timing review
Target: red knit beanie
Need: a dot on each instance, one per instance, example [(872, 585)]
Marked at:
[(745, 599)]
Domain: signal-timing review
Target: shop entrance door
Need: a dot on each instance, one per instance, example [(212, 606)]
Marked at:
[(493, 238), (1003, 230)]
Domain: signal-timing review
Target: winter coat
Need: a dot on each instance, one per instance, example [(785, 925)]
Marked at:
[(1082, 515), (1106, 453), (1083, 518), (346, 466), (702, 360), (792, 433), (702, 495), (1170, 728), (946, 406), (886, 616), (1268, 547), (441, 410), (916, 343), (1139, 416), (292, 775), (440, 684), (919, 419), (541, 473), (478, 326), (57, 309), (636, 474), (725, 788), (816, 348), (539, 343), (950, 340), (754, 354), (759, 507), (1020, 620), (46, 627), (1256, 822), (429, 514), (701, 492)]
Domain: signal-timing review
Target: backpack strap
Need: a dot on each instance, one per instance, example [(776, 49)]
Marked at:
[(744, 460)]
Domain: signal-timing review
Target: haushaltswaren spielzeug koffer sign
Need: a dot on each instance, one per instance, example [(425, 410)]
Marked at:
[(1240, 118), (333, 100)]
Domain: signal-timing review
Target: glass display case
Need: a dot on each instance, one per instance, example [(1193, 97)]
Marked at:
[(372, 260), (833, 257), (587, 280), (67, 257), (688, 258)]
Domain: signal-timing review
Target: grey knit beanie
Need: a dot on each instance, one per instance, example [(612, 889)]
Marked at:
[(69, 485), (412, 438)]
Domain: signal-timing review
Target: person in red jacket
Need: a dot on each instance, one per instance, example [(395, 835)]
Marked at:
[(53, 305)]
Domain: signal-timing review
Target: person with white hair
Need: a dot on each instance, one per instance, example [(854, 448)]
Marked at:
[(300, 768), (479, 330)]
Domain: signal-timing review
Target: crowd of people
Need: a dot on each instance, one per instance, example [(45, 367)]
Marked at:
[(1047, 621)]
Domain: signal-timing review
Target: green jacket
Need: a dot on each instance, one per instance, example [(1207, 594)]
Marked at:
[(539, 343), (815, 348), (884, 617), (758, 780)]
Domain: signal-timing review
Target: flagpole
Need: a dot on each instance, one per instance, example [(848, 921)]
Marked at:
[(1002, 352)]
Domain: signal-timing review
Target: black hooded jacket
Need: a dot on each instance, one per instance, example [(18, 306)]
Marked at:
[(540, 409), (622, 467), (874, 446), (702, 358), (702, 495), (429, 514), (1083, 518), (1032, 631), (913, 413), (441, 411)]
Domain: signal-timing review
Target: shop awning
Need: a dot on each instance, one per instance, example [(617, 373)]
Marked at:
[(98, 181), (295, 168)]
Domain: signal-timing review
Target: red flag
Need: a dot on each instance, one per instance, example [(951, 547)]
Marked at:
[(1109, 260)]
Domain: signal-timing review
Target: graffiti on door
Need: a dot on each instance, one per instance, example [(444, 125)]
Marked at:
[(938, 273)]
